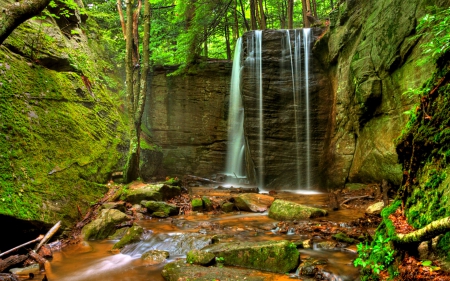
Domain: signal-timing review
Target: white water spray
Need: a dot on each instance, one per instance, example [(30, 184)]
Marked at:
[(235, 155)]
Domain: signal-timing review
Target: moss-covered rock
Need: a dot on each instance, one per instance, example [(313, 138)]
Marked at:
[(342, 237), (132, 235), (207, 203), (253, 202), (227, 207), (275, 256), (151, 192), (179, 270), (199, 257), (154, 257), (160, 207), (61, 131), (197, 204), (286, 210), (104, 225)]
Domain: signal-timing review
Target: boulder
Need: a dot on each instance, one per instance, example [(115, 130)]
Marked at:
[(179, 270), (120, 205), (375, 209), (160, 207), (153, 257), (286, 210), (155, 192), (207, 203), (227, 207), (132, 235), (200, 257), (253, 202), (104, 225), (275, 256), (197, 204)]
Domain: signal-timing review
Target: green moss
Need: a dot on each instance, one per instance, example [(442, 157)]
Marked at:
[(58, 140), (197, 204), (342, 237), (132, 235)]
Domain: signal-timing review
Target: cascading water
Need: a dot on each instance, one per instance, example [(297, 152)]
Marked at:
[(300, 92), (236, 144), (254, 60)]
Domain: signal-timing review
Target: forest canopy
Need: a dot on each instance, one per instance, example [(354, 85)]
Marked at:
[(183, 32)]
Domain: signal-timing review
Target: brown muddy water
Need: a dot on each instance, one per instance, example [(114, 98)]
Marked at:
[(92, 260)]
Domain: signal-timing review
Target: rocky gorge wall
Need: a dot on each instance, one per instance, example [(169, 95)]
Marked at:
[(372, 54), (60, 130), (185, 122)]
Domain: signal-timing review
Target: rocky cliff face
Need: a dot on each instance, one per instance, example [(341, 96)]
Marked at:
[(59, 128), (185, 121), (372, 54)]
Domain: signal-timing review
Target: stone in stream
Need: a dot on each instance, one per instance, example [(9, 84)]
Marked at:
[(274, 256), (197, 204), (375, 209), (34, 269), (132, 235), (155, 192), (200, 257), (179, 270), (160, 208), (104, 225), (285, 210), (154, 257), (253, 202), (227, 207)]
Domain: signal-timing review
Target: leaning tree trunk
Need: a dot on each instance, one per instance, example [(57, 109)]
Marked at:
[(18, 12), (132, 166)]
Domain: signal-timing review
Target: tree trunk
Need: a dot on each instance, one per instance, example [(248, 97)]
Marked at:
[(429, 231), (18, 12), (253, 14), (236, 22), (247, 26), (132, 165), (290, 14), (305, 11), (227, 39), (262, 16), (314, 8), (122, 20)]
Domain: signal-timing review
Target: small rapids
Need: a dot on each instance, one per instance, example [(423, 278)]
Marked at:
[(93, 260)]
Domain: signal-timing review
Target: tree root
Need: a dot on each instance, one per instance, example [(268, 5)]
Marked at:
[(427, 232)]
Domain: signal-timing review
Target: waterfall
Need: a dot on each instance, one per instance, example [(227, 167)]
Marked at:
[(306, 42), (254, 62), (235, 155), (300, 92)]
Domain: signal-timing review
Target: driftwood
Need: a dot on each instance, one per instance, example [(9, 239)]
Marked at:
[(189, 178), (385, 186), (333, 198), (23, 245), (429, 231), (11, 260), (356, 197), (37, 258), (49, 235), (8, 277)]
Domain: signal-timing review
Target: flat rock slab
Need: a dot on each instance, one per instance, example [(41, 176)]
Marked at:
[(179, 270), (286, 210), (104, 225), (253, 202), (274, 256), (154, 192)]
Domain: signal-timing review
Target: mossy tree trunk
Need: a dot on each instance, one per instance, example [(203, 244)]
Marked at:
[(137, 83), (18, 12)]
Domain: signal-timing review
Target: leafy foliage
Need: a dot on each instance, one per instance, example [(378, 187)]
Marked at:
[(375, 257), (436, 26)]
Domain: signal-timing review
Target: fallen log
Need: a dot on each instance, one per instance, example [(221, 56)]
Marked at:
[(356, 197), (37, 258), (11, 260), (23, 245), (195, 178), (49, 235), (427, 232), (8, 277)]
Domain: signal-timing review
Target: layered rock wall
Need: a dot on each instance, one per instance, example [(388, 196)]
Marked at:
[(372, 53), (186, 118)]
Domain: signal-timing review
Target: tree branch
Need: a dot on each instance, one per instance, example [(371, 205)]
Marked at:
[(427, 232), (18, 12)]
